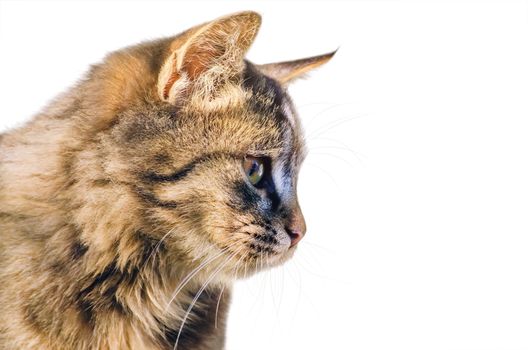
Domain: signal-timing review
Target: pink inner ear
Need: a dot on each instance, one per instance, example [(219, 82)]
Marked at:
[(199, 58), (173, 78), (221, 43)]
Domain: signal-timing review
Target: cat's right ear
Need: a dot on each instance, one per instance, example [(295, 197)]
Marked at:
[(286, 72), (207, 53)]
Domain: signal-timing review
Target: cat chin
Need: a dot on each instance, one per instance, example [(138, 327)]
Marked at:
[(262, 263)]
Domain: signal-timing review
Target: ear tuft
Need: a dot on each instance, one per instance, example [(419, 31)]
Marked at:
[(215, 49), (288, 71)]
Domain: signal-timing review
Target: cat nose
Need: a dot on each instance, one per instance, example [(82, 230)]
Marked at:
[(296, 227)]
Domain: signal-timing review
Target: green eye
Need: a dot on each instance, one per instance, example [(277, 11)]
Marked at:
[(254, 169)]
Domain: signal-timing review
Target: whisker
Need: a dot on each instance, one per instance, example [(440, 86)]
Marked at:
[(245, 270), (331, 125), (270, 279), (327, 250), (197, 296), (343, 145), (339, 148), (240, 262), (218, 305), (237, 265), (308, 267), (281, 296), (326, 172), (344, 160), (193, 273), (299, 288), (306, 294), (157, 247), (327, 109)]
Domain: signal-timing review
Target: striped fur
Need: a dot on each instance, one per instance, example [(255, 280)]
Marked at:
[(130, 182)]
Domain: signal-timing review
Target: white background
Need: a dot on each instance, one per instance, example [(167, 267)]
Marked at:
[(416, 190)]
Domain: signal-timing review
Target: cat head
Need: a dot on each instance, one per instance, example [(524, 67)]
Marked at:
[(209, 144)]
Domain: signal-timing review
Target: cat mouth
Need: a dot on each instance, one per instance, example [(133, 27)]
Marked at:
[(257, 256), (274, 253)]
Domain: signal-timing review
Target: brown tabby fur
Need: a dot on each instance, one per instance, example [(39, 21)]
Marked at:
[(132, 180)]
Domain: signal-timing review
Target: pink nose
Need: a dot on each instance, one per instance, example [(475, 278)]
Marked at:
[(295, 237), (296, 228)]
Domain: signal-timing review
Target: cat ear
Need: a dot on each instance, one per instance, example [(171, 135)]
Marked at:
[(286, 72), (216, 48)]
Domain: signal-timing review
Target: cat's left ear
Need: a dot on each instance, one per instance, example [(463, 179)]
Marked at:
[(286, 72), (207, 54)]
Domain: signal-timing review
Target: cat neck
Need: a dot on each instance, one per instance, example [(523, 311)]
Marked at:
[(149, 302)]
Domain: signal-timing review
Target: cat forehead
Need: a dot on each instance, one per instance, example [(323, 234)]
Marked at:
[(269, 100), (251, 114), (254, 103), (268, 95), (251, 91)]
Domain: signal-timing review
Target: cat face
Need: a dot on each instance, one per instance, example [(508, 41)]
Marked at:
[(221, 179), (213, 153)]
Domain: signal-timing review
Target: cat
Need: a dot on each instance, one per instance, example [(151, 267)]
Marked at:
[(133, 201)]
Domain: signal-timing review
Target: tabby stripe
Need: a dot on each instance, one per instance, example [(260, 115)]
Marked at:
[(180, 174), (149, 197), (176, 176), (184, 171)]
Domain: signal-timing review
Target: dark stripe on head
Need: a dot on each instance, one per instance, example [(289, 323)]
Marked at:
[(185, 170), (261, 85), (288, 163), (178, 174), (151, 198), (153, 178)]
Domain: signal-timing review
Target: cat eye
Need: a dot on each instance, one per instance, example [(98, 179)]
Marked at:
[(254, 169)]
